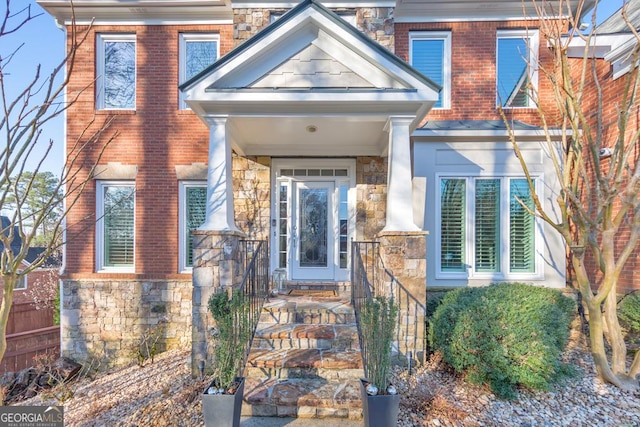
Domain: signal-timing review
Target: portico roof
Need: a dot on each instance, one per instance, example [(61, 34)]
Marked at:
[(310, 84)]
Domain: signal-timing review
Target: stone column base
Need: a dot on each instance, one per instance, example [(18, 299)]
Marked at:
[(215, 266)]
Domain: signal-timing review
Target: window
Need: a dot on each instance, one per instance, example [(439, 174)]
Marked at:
[(197, 52), (516, 78), (115, 226), (430, 53), (116, 69), (21, 284), (193, 212), (486, 229)]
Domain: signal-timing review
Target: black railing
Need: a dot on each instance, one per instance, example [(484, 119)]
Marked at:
[(370, 278), (254, 262)]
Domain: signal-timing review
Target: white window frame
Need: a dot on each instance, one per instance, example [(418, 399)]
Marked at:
[(101, 38), (504, 273), (445, 93), (533, 45), (100, 213), (22, 283), (182, 221), (182, 57)]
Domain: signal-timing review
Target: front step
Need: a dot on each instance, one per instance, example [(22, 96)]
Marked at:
[(305, 360)]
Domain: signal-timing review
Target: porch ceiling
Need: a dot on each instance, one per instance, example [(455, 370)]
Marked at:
[(310, 135)]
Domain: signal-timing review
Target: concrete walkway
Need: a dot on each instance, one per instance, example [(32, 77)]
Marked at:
[(297, 422)]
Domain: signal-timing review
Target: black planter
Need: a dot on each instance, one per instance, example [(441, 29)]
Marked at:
[(380, 410), (222, 410)]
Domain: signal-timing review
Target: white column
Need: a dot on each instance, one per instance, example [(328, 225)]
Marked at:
[(220, 215), (399, 183)]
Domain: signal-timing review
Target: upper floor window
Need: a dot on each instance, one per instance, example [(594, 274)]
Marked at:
[(197, 52), (193, 212), (487, 229), (516, 61), (115, 236), (116, 71), (430, 53)]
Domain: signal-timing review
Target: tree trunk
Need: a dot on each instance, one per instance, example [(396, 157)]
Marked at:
[(8, 284), (614, 335), (596, 337)]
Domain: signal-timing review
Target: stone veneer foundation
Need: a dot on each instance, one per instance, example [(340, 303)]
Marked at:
[(105, 319)]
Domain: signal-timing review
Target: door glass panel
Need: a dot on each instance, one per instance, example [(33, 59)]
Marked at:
[(313, 227)]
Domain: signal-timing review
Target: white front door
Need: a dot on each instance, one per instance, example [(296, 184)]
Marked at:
[(313, 234)]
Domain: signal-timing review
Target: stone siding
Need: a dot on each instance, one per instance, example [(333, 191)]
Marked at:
[(375, 22), (105, 319), (251, 195), (371, 202)]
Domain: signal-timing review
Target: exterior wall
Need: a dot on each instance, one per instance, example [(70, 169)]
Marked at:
[(251, 195), (488, 160), (371, 203), (105, 319), (612, 91), (473, 65)]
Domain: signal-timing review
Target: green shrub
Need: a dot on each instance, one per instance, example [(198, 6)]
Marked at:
[(504, 335), (629, 312), (378, 324), (433, 302)]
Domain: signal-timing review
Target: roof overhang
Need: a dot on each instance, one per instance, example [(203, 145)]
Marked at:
[(139, 12), (483, 10), (310, 70), (483, 130), (614, 48)]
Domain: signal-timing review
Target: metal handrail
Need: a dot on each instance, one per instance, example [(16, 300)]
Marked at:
[(254, 285)]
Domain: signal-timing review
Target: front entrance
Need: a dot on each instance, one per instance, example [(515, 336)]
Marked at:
[(312, 224)]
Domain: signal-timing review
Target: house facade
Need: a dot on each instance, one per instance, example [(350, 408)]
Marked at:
[(307, 125)]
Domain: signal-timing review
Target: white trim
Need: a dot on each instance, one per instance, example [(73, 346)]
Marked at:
[(100, 213), (503, 274), (182, 216), (100, 62), (185, 38), (329, 5), (532, 40), (445, 36), (143, 22)]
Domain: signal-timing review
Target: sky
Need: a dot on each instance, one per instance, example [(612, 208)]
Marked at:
[(44, 45)]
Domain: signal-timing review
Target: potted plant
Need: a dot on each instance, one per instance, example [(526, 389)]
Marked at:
[(222, 399), (380, 402)]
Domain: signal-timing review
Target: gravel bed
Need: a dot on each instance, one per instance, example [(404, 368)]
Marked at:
[(164, 394)]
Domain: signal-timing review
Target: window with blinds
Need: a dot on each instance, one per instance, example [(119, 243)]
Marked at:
[(500, 239), (487, 225), (195, 215), (452, 225), (521, 228), (430, 54), (118, 225)]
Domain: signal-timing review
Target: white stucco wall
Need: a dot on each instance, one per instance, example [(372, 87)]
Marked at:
[(431, 160)]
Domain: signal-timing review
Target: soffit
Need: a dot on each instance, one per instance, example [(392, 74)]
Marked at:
[(139, 11), (487, 10)]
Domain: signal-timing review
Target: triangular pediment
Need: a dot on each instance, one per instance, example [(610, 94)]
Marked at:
[(312, 67)]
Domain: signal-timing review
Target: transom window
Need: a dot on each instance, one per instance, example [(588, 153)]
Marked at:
[(430, 53), (116, 226), (197, 52), (116, 69), (193, 212), (516, 76), (486, 228)]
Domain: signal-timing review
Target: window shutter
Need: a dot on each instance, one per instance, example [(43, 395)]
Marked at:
[(196, 215), (487, 225), (118, 226), (521, 228), (452, 229), (428, 57)]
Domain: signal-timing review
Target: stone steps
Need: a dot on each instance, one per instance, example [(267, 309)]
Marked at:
[(305, 360)]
